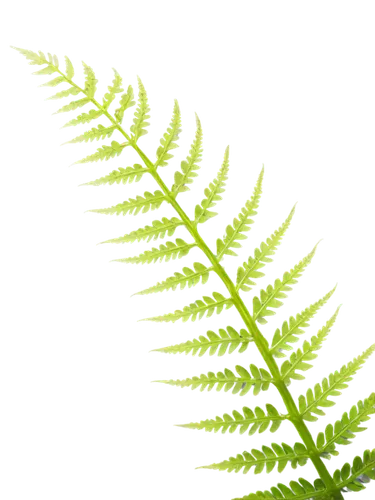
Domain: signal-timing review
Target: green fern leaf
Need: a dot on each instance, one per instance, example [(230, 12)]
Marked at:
[(301, 490), (69, 70), (213, 343), (126, 102), (90, 81), (169, 139), (93, 114), (330, 387), (241, 383), (298, 360), (55, 70), (241, 225), (165, 252), (197, 309), (37, 57), (116, 88), (42, 72), (71, 106), (262, 255), (122, 175), (45, 64), (104, 153), (141, 115), (94, 134), (355, 477), (267, 459), (158, 230), (344, 430), (257, 420), (65, 93), (188, 277), (296, 326), (271, 297), (135, 205), (189, 167), (54, 82), (212, 193)]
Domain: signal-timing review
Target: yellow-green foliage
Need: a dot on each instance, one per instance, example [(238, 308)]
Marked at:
[(239, 379)]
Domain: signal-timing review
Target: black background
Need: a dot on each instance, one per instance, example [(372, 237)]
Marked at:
[(80, 409)]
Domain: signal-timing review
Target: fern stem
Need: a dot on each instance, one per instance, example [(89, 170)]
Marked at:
[(259, 339)]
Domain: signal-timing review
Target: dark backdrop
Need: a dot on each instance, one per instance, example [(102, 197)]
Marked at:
[(77, 370)]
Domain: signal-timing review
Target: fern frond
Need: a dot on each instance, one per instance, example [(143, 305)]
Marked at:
[(197, 309), (355, 477), (262, 255), (158, 230), (134, 205), (301, 490), (104, 153), (90, 81), (258, 421), (165, 252), (44, 73), (122, 175), (212, 193), (72, 106), (240, 380), (296, 326), (298, 360), (64, 93), (141, 115), (54, 82), (37, 57), (241, 225), (271, 297), (169, 139), (188, 277), (189, 167), (330, 387), (69, 69), (93, 114), (126, 102), (100, 132), (213, 343), (116, 88), (344, 430), (241, 383), (267, 458), (47, 65)]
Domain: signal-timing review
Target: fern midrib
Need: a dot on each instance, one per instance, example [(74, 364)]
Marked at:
[(246, 421), (298, 360), (243, 463), (259, 339)]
